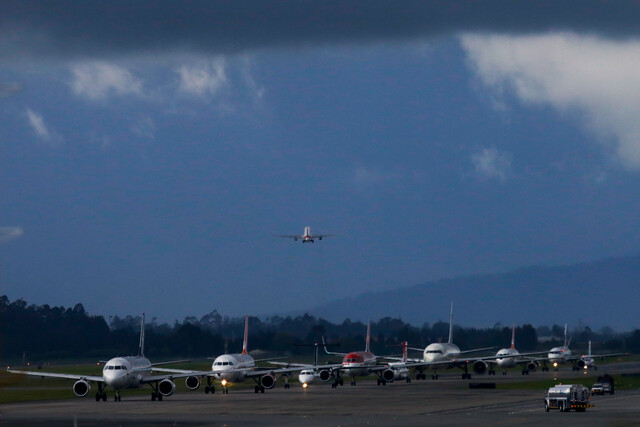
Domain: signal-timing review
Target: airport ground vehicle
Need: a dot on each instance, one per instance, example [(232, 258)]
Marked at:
[(607, 384), (597, 388), (568, 397)]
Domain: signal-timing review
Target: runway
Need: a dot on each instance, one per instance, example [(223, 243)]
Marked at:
[(447, 401)]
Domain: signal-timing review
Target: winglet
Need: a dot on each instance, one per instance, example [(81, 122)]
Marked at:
[(141, 345), (246, 334), (513, 336), (451, 325), (368, 336)]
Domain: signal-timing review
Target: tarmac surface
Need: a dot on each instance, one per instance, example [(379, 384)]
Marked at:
[(446, 401)]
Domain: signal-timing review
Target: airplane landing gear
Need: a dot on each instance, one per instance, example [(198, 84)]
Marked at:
[(101, 394)]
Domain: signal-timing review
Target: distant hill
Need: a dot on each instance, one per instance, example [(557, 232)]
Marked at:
[(594, 294)]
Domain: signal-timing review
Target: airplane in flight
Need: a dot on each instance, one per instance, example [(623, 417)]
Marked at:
[(235, 367), (306, 236), (120, 373), (448, 355)]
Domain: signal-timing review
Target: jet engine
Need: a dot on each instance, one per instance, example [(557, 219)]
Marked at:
[(268, 381), (480, 367), (192, 382), (389, 375), (166, 387), (325, 375), (532, 366), (81, 388)]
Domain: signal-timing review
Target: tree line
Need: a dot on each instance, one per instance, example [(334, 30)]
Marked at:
[(42, 333)]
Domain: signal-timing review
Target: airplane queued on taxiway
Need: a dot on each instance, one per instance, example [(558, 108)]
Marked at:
[(562, 354), (236, 367), (121, 373), (364, 363)]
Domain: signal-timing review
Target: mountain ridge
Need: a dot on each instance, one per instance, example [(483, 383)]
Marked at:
[(595, 294)]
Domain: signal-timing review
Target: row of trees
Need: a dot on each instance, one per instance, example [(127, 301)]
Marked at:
[(40, 333)]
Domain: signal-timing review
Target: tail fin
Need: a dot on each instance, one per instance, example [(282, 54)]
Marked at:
[(565, 335), (246, 334), (141, 345), (404, 352), (513, 336), (451, 325), (589, 347), (368, 336)]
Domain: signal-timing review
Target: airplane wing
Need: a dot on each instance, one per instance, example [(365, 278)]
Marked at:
[(287, 364), (95, 378), (595, 356), (289, 236), (154, 378), (176, 371), (170, 362), (476, 350)]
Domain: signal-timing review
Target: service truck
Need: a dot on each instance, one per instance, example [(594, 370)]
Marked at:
[(567, 397)]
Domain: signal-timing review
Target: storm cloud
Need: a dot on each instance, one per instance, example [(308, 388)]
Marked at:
[(80, 29)]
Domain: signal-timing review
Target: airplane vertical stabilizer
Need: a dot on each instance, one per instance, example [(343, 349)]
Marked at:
[(589, 347), (368, 336), (405, 357), (513, 336), (565, 335), (246, 334), (141, 345), (451, 325)]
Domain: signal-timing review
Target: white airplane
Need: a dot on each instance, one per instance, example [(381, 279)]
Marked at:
[(448, 355), (309, 373), (510, 357), (559, 355), (235, 367), (120, 373), (562, 354), (306, 236)]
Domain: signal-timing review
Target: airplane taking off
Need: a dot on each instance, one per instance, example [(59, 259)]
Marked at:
[(235, 367), (120, 373), (306, 236)]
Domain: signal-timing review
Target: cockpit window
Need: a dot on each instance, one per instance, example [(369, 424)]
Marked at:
[(118, 367)]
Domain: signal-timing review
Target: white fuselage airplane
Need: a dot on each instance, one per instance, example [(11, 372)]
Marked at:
[(235, 367), (560, 355), (446, 354), (306, 236), (121, 373), (510, 357)]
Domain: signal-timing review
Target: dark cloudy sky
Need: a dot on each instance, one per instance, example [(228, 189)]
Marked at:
[(151, 150)]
